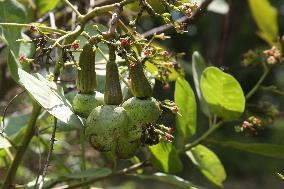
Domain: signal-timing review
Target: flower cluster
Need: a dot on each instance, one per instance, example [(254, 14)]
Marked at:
[(252, 124), (187, 8), (273, 55)]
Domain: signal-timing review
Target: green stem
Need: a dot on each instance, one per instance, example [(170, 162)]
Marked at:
[(69, 38), (22, 148), (82, 152), (103, 9), (37, 26), (257, 85), (201, 138), (73, 8), (272, 89)]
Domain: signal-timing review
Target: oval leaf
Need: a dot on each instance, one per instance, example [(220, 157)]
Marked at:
[(208, 163), (165, 158), (185, 100), (223, 93), (264, 149), (94, 172), (50, 97), (265, 17), (198, 66)]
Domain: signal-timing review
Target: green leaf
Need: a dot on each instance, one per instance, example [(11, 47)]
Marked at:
[(170, 179), (15, 123), (198, 66), (208, 163), (49, 96), (48, 183), (185, 100), (11, 11), (45, 6), (223, 93), (165, 158), (94, 172), (264, 149), (265, 17)]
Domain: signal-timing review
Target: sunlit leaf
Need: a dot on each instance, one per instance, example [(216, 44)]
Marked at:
[(185, 100), (223, 93), (265, 17), (165, 158), (198, 66), (50, 96), (4, 143), (208, 163)]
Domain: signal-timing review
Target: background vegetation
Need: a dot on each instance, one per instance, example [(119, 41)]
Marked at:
[(222, 35)]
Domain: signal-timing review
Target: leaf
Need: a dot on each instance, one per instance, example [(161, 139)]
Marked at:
[(223, 93), (208, 163), (48, 183), (185, 100), (15, 123), (165, 158), (94, 172), (170, 179), (4, 143), (265, 17), (198, 66), (49, 96), (45, 6), (264, 149), (11, 11)]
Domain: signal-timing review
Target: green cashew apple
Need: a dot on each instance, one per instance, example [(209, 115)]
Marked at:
[(140, 113), (105, 125), (83, 104), (127, 146)]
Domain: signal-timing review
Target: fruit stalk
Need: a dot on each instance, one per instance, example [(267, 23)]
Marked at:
[(113, 93), (86, 78), (140, 85)]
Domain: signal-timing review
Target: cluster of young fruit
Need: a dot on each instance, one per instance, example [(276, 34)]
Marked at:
[(116, 125)]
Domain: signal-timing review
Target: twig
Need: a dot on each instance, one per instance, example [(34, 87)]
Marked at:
[(103, 9), (272, 89), (46, 164), (257, 85), (32, 25), (189, 20), (105, 2), (21, 149), (73, 8), (201, 138), (6, 108)]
